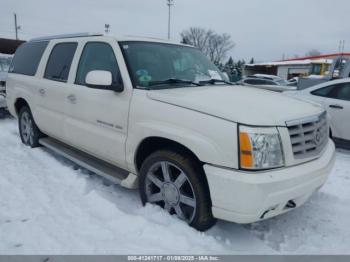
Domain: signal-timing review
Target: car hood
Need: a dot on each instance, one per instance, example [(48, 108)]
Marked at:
[(239, 104)]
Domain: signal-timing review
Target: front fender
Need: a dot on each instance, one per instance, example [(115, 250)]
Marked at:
[(211, 139)]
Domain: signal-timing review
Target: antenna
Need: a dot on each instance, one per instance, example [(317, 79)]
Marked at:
[(107, 26)]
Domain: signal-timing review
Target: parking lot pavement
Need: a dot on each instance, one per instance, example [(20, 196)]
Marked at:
[(49, 205)]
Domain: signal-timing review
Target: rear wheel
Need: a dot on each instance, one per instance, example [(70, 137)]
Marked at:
[(29, 132), (176, 183)]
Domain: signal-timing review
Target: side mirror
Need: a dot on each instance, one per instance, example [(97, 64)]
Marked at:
[(101, 79)]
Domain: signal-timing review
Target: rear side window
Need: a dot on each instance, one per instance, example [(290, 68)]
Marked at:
[(59, 62), (27, 58)]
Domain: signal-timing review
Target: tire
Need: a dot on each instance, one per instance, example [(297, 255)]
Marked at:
[(177, 183), (28, 130)]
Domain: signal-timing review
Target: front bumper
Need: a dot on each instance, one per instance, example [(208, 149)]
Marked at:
[(247, 197)]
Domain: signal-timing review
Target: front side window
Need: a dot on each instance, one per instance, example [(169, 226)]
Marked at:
[(324, 92), (344, 92), (339, 91), (269, 82), (259, 82), (156, 62), (250, 81), (59, 62), (98, 56), (27, 58)]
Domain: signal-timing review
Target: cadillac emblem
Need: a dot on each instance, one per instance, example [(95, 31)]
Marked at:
[(317, 138)]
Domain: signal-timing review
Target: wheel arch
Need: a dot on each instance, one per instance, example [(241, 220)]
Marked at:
[(19, 103), (152, 144)]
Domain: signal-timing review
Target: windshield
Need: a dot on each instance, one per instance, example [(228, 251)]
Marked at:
[(151, 62)]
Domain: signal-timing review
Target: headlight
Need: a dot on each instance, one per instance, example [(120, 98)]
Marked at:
[(260, 148)]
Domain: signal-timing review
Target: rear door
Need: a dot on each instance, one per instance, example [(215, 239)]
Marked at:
[(53, 88), (97, 118)]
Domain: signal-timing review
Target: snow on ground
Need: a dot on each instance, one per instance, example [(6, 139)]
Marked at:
[(48, 205)]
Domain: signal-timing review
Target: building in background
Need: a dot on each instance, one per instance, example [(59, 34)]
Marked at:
[(298, 67)]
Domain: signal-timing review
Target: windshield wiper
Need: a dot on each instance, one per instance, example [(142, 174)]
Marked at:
[(213, 81), (173, 81)]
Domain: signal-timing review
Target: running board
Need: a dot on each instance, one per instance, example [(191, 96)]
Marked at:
[(99, 167)]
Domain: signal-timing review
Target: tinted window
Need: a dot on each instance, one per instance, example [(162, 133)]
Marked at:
[(323, 91), (268, 82), (59, 62), (254, 82), (98, 56), (248, 81), (258, 82), (339, 91), (344, 92), (27, 58)]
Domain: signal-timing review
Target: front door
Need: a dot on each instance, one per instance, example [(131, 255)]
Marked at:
[(96, 119), (338, 106)]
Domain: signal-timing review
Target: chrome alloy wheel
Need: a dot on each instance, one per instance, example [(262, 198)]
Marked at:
[(27, 129), (168, 186)]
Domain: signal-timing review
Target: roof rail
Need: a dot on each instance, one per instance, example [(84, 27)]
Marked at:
[(65, 36)]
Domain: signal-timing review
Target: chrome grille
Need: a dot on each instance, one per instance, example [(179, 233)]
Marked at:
[(308, 136)]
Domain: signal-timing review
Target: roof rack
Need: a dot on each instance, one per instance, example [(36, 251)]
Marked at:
[(65, 36)]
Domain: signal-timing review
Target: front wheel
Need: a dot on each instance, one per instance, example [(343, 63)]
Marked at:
[(29, 132), (176, 183)]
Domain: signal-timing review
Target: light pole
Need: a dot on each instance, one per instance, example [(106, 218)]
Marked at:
[(169, 3), (17, 27)]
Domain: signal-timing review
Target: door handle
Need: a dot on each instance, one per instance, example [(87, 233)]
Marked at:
[(72, 98), (336, 106), (42, 91)]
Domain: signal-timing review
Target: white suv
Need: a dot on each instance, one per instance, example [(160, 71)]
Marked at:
[(161, 117)]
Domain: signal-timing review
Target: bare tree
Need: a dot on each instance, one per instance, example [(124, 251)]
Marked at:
[(214, 45), (313, 52)]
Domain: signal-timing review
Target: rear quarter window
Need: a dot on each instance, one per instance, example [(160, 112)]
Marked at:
[(27, 58)]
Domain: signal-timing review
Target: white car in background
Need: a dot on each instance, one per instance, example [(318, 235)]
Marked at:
[(334, 96), (3, 75), (267, 82)]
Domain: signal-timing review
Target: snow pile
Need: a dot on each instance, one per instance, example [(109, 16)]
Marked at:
[(50, 206)]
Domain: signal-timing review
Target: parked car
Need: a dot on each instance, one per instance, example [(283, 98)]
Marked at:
[(272, 83), (293, 81), (3, 76), (159, 116), (274, 78), (334, 96)]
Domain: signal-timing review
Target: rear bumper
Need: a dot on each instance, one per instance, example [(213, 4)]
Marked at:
[(246, 197)]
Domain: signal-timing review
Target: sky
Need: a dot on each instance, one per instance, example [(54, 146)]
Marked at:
[(263, 29)]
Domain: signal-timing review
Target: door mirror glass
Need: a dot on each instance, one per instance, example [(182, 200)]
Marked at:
[(99, 78)]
